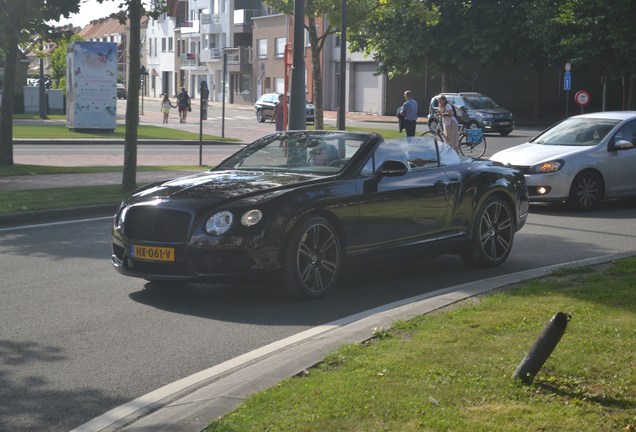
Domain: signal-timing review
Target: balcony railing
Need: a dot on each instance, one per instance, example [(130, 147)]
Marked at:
[(211, 54), (190, 59), (239, 59)]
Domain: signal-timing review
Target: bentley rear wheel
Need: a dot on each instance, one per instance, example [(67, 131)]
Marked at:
[(313, 259)]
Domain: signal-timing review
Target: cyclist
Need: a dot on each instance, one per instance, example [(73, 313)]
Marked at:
[(451, 135)]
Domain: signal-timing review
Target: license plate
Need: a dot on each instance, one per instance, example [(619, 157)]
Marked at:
[(504, 123), (151, 253)]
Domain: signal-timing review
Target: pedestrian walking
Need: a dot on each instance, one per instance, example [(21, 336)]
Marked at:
[(183, 102), (165, 107), (277, 116)]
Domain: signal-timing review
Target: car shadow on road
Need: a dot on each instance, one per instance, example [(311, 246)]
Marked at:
[(363, 286)]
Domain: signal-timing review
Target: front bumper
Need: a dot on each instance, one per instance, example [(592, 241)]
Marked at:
[(203, 266), (498, 125), (548, 187)]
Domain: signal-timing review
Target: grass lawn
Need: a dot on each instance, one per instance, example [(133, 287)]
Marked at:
[(60, 131), (55, 198), (451, 371), (45, 199)]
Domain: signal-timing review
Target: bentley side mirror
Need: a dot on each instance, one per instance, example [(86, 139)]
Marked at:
[(391, 168)]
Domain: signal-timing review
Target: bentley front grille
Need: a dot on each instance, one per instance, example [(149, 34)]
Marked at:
[(149, 223)]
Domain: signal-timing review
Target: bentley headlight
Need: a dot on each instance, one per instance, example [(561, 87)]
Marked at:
[(251, 217), (547, 167), (219, 223), (122, 217)]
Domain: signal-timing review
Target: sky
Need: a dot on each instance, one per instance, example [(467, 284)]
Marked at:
[(90, 10)]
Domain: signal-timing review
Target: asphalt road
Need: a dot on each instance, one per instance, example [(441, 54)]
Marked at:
[(77, 339)]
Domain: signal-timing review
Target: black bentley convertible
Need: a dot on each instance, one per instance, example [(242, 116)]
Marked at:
[(300, 204)]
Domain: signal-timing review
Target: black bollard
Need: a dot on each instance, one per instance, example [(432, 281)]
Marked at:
[(542, 348)]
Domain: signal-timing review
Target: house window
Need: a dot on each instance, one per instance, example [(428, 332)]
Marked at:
[(170, 49), (262, 48), (279, 85), (163, 44), (241, 83), (280, 46)]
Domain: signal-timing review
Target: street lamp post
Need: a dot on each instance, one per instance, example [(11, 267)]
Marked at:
[(144, 75)]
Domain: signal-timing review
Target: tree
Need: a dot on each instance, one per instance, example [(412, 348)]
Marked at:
[(17, 24), (312, 11), (524, 33), (601, 34), (132, 11), (57, 61), (451, 37), (331, 11)]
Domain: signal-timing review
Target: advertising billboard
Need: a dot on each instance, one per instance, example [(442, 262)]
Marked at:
[(91, 85)]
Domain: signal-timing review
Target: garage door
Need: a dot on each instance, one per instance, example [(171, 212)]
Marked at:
[(366, 89)]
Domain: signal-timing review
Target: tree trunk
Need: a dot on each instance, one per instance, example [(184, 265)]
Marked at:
[(538, 92), (129, 179), (445, 82), (317, 75), (6, 114), (631, 98)]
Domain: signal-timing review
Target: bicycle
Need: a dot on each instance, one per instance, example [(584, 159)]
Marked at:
[(472, 141)]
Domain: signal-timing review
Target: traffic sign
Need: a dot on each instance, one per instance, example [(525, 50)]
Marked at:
[(582, 98), (567, 81)]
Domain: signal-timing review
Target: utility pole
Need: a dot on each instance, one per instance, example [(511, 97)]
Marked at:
[(297, 103), (342, 88)]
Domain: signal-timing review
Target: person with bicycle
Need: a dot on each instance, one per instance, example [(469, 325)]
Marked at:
[(451, 125)]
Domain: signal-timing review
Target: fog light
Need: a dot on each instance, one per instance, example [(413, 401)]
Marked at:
[(542, 190)]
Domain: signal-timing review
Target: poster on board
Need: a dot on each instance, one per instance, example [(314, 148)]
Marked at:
[(91, 85)]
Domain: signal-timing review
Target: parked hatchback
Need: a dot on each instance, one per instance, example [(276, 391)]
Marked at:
[(580, 160), (478, 111), (264, 107)]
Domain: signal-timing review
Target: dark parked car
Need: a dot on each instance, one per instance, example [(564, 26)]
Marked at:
[(477, 111), (121, 91), (300, 204), (264, 107)]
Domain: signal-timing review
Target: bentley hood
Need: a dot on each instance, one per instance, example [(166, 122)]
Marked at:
[(222, 185)]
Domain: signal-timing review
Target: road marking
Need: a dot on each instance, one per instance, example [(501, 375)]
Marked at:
[(50, 224)]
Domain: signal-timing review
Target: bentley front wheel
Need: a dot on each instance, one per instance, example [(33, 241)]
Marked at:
[(313, 259)]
